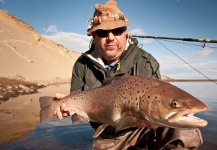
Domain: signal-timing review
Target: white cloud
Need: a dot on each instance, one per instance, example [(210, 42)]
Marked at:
[(2, 1), (203, 53), (51, 29), (139, 31), (175, 68), (72, 41)]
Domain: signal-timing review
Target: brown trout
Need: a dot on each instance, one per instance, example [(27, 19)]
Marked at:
[(127, 101)]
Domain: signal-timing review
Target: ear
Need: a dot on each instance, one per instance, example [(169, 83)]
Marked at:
[(128, 36)]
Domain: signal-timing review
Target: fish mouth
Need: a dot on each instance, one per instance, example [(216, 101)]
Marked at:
[(186, 120)]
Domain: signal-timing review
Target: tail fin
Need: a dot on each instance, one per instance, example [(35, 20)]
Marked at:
[(47, 112)]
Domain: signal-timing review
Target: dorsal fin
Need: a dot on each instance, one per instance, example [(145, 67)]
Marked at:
[(108, 80), (111, 79)]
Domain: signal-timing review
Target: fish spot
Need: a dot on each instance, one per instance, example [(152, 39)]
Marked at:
[(148, 97), (155, 97)]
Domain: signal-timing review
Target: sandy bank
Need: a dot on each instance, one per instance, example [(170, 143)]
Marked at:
[(20, 115)]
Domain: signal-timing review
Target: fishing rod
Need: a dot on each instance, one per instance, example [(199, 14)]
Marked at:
[(182, 39), (173, 38)]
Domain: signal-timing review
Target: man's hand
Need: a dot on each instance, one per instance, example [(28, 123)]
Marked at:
[(63, 110)]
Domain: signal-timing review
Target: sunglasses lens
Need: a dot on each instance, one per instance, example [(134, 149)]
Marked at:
[(115, 32), (101, 33), (118, 31)]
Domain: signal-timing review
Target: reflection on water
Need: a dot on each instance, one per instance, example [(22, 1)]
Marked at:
[(57, 134)]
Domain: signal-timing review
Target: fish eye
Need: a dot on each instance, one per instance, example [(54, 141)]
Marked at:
[(188, 103), (175, 104)]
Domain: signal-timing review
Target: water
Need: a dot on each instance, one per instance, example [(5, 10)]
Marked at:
[(62, 135), (53, 135)]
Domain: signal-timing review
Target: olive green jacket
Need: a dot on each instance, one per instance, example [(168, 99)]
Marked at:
[(87, 73)]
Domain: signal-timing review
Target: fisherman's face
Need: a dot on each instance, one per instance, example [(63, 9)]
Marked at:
[(110, 43)]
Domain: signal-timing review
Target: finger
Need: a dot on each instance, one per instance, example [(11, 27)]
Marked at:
[(71, 112), (68, 112), (59, 96), (65, 114), (59, 114), (63, 107)]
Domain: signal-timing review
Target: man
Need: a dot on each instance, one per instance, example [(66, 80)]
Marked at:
[(112, 54)]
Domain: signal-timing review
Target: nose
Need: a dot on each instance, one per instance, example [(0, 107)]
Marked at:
[(110, 36)]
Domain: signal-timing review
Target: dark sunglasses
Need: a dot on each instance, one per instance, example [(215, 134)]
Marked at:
[(115, 32)]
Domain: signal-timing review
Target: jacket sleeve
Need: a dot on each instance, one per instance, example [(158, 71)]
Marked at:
[(77, 81), (148, 66), (152, 67)]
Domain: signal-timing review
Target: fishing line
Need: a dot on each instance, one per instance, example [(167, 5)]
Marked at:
[(185, 62)]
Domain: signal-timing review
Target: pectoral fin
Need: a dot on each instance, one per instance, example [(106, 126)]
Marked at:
[(127, 122), (76, 119), (99, 130)]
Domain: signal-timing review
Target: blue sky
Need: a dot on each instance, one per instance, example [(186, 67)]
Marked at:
[(64, 21)]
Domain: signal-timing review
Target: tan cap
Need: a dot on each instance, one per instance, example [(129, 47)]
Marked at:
[(107, 17)]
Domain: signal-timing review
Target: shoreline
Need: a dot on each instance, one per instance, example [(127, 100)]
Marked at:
[(190, 80), (14, 87)]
